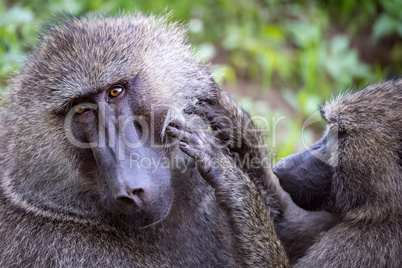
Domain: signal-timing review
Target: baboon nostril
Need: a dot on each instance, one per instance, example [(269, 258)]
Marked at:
[(137, 191), (124, 199), (136, 197), (130, 202)]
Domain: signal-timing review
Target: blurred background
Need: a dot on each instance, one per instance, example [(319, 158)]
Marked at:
[(279, 59)]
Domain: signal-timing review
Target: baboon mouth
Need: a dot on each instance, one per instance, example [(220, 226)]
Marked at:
[(159, 209), (160, 219)]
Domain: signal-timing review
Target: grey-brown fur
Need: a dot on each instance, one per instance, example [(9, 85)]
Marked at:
[(297, 228), (52, 210), (359, 223), (233, 127), (366, 191), (250, 221)]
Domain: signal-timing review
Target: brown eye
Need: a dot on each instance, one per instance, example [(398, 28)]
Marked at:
[(114, 92), (80, 109)]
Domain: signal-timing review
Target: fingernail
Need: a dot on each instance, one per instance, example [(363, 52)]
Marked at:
[(183, 144)]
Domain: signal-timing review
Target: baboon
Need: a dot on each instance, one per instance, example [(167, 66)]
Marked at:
[(348, 182), (232, 126), (90, 177), (354, 172)]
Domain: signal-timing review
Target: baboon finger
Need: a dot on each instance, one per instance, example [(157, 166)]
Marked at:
[(184, 135), (203, 161), (189, 150), (172, 132), (177, 124)]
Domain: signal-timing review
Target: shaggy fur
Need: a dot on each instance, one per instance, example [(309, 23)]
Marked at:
[(250, 221), (51, 214), (361, 226), (366, 191), (232, 126)]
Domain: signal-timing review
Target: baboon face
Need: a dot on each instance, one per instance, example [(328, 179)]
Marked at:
[(307, 176), (357, 162), (95, 96), (124, 143), (111, 119)]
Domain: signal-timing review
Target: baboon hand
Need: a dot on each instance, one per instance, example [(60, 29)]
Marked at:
[(202, 146), (218, 117)]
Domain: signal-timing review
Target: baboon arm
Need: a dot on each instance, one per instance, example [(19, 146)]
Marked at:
[(233, 127), (255, 242)]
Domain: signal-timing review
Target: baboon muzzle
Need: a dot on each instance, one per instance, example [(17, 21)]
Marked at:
[(129, 187), (306, 177)]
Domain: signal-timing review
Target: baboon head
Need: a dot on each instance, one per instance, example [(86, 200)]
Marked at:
[(357, 164), (86, 117)]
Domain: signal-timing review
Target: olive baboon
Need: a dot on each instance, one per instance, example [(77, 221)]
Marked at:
[(89, 176), (297, 228), (357, 202), (355, 172)]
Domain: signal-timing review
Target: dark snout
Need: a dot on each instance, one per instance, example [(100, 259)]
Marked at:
[(306, 177), (129, 177), (132, 190)]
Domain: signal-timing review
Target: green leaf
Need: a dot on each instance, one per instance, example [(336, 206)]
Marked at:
[(16, 15), (385, 25)]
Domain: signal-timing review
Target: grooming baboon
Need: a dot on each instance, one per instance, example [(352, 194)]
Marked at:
[(353, 183), (88, 176), (297, 228), (355, 172)]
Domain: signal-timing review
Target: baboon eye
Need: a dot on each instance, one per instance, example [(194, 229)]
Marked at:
[(114, 92), (79, 109)]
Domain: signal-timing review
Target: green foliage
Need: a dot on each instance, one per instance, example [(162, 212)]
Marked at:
[(389, 22), (303, 50)]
